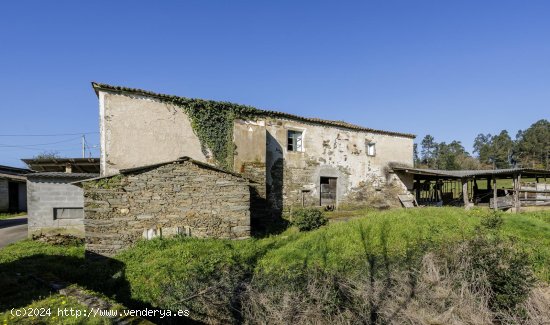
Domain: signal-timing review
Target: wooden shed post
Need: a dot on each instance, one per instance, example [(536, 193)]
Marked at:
[(517, 203), (495, 196), (465, 193)]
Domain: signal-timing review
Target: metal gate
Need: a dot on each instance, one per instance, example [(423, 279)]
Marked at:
[(328, 191)]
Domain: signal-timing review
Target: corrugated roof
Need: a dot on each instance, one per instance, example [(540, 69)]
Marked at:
[(62, 175), (341, 124), (13, 170), (471, 173), (21, 178), (80, 165)]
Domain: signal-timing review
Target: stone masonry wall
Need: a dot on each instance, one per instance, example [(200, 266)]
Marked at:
[(177, 198)]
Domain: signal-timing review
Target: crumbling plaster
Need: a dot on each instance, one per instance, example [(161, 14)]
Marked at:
[(332, 152), (138, 131)]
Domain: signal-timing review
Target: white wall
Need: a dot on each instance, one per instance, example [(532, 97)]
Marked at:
[(137, 131)]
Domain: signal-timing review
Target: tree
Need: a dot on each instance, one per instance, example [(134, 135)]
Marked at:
[(416, 158), (494, 150), (452, 156), (429, 151), (533, 145), (47, 155), (482, 146), (502, 148)]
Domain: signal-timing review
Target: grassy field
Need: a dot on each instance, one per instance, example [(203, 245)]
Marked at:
[(48, 313), (163, 272), (4, 216)]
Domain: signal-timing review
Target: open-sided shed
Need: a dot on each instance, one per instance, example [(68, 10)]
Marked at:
[(469, 187)]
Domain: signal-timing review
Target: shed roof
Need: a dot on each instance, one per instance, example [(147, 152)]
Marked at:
[(472, 173), (13, 177), (9, 170), (72, 176), (79, 165), (342, 124)]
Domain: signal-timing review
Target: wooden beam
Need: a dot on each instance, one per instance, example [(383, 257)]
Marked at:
[(465, 193), (517, 204), (495, 196)]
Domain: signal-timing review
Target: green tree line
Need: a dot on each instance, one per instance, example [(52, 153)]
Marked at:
[(529, 149)]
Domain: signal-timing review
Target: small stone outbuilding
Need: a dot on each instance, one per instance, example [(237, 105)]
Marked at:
[(181, 197)]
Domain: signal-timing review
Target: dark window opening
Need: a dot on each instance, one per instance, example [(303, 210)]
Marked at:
[(294, 141)]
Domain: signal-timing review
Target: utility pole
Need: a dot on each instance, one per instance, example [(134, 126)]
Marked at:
[(83, 146)]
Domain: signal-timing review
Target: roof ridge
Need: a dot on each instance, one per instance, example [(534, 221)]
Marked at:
[(102, 86)]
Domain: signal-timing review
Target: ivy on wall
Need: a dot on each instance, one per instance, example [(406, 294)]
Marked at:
[(212, 122)]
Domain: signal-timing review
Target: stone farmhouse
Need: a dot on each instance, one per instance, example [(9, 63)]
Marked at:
[(175, 165), (300, 161)]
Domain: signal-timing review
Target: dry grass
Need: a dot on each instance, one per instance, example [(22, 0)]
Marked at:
[(436, 292)]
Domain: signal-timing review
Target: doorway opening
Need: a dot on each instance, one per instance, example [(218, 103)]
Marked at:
[(328, 191)]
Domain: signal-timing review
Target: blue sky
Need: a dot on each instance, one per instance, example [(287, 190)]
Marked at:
[(452, 69)]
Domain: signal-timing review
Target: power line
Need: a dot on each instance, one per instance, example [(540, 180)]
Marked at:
[(46, 135), (37, 144)]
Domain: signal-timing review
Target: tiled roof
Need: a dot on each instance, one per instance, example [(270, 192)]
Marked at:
[(341, 124)]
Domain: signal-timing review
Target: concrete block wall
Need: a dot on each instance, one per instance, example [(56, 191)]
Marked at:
[(177, 198), (43, 196), (4, 196)]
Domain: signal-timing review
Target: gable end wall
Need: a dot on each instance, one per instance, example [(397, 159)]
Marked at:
[(178, 198)]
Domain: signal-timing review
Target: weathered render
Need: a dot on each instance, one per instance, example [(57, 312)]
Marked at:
[(137, 131), (54, 205), (140, 127), (184, 197), (333, 152)]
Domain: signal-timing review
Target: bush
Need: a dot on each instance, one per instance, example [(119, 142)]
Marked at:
[(495, 266), (308, 219), (492, 221)]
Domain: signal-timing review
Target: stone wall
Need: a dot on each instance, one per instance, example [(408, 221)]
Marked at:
[(4, 196), (177, 198), (293, 177), (54, 206), (160, 131)]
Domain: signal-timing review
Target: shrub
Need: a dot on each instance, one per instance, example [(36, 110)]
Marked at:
[(492, 221), (308, 219), (496, 266)]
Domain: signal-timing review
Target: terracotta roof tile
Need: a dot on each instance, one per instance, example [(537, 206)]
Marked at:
[(341, 124)]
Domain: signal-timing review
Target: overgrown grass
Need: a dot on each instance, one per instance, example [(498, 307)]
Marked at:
[(47, 309), (4, 216), (172, 273)]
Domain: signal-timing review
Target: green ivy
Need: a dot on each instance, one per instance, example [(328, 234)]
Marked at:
[(212, 122)]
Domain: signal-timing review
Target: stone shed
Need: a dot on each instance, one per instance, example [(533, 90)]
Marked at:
[(55, 206), (184, 197)]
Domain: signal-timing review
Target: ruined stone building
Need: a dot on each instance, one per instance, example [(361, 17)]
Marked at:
[(173, 165), (298, 161)]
